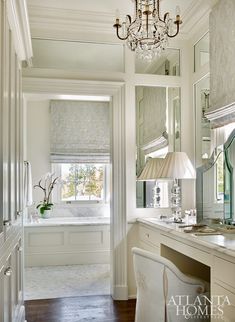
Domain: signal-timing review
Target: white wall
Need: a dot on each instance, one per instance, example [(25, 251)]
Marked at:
[(38, 141)]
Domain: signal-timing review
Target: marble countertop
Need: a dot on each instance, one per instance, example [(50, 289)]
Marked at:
[(67, 221), (224, 243)]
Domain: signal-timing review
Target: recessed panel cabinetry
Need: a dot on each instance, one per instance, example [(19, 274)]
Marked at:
[(194, 257), (11, 174)]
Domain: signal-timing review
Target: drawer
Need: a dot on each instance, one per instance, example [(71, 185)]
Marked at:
[(190, 251), (149, 236), (224, 271)]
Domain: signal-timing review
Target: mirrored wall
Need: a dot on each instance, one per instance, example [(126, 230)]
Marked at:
[(158, 130), (202, 125), (202, 52), (61, 54), (167, 64), (216, 179)]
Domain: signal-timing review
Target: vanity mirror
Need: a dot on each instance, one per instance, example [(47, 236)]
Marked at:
[(215, 182), (157, 132)]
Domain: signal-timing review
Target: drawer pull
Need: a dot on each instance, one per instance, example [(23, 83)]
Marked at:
[(8, 271), (6, 223)]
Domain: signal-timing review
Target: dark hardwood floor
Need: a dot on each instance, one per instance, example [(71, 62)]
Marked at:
[(80, 309)]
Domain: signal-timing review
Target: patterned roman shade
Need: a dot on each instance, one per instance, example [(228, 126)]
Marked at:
[(80, 132), (222, 48)]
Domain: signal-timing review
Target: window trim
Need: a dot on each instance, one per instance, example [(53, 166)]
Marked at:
[(56, 194)]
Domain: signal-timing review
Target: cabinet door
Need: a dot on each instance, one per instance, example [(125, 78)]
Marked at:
[(2, 293), (7, 291), (228, 310), (19, 276), (12, 133), (5, 116)]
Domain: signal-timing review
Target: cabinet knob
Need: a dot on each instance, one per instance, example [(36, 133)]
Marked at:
[(147, 235), (8, 271), (20, 249), (19, 213), (6, 223)]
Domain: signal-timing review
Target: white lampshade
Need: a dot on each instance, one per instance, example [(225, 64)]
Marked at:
[(177, 166), (151, 169)]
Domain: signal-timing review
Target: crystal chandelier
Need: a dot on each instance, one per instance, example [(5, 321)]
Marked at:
[(147, 33)]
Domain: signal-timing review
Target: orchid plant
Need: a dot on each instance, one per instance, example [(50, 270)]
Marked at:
[(46, 184)]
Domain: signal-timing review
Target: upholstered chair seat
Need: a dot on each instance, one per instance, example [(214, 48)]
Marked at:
[(164, 293)]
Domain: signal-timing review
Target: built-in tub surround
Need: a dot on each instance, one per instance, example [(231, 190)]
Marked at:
[(74, 211), (67, 241)]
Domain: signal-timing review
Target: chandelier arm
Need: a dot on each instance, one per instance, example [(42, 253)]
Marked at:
[(176, 33), (119, 37), (158, 11)]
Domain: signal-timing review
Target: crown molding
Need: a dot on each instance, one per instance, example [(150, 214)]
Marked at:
[(70, 20), (47, 20), (17, 14)]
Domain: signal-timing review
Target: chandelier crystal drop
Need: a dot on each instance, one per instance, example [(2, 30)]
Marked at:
[(147, 33)]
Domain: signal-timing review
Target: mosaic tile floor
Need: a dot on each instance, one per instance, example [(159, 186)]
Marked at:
[(65, 281)]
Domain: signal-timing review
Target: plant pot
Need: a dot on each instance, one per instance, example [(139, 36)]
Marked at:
[(46, 214)]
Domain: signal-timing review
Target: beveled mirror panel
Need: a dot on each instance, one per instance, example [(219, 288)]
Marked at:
[(158, 130), (202, 125), (215, 180), (167, 64), (202, 52), (61, 54)]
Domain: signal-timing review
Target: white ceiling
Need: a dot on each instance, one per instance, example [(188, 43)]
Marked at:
[(77, 18), (109, 6)]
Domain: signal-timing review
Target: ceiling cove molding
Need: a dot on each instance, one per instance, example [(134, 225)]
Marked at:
[(196, 15), (19, 23), (70, 20), (77, 21)]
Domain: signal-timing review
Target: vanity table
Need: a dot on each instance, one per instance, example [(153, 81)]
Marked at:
[(209, 257)]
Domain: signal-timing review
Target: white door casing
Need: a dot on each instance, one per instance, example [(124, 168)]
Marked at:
[(116, 90)]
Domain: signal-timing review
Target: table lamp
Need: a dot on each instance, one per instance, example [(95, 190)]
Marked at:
[(177, 166), (150, 173)]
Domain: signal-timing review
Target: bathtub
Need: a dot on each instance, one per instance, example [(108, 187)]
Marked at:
[(67, 241)]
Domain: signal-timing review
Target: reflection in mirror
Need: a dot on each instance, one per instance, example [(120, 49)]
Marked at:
[(215, 179), (203, 132), (229, 179), (63, 54), (201, 52), (210, 188), (167, 64), (157, 132)]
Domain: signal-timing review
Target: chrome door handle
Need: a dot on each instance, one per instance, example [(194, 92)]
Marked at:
[(8, 271), (6, 222)]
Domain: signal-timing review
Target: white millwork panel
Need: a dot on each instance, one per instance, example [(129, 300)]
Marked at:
[(13, 24), (67, 245)]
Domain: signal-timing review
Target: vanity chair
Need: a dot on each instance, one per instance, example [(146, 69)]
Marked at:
[(159, 285)]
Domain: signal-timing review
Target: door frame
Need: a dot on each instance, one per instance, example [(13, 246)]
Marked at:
[(51, 88)]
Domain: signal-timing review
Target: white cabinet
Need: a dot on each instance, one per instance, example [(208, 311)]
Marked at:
[(7, 291), (149, 239), (11, 174), (228, 311)]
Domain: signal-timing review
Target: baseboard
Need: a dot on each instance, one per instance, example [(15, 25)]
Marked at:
[(120, 293), (132, 297), (88, 257)]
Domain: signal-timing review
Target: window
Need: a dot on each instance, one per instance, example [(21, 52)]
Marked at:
[(82, 182)]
